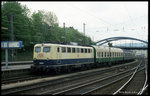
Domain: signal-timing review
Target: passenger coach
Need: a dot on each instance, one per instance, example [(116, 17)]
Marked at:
[(105, 55)]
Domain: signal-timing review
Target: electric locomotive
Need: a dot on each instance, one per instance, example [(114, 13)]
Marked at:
[(58, 57)]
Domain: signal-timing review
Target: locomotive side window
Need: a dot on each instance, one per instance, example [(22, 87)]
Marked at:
[(37, 49), (78, 51), (58, 49), (85, 50), (46, 49), (73, 50), (63, 49), (88, 50), (68, 49), (81, 50)]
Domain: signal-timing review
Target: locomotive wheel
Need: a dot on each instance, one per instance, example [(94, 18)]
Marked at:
[(69, 69), (46, 71), (57, 70)]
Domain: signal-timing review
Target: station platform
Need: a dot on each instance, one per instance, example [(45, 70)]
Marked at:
[(21, 62), (15, 67)]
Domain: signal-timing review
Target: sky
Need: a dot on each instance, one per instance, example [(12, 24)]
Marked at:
[(102, 19)]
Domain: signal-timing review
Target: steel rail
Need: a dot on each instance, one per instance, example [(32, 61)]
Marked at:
[(20, 78), (106, 84), (60, 81), (125, 84), (86, 84), (64, 91), (145, 86)]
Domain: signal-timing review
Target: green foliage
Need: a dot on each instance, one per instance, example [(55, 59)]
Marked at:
[(37, 27)]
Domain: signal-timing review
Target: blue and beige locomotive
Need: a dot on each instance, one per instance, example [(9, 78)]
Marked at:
[(59, 57)]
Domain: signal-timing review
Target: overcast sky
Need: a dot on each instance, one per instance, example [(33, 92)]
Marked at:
[(102, 19)]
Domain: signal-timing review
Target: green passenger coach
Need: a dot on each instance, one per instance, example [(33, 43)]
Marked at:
[(105, 55)]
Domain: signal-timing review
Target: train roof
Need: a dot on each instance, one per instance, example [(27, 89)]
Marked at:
[(106, 49), (61, 45)]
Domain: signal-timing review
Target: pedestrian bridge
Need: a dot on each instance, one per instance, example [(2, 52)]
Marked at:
[(108, 40)]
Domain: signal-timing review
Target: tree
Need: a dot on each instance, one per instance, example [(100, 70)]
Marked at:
[(20, 22)]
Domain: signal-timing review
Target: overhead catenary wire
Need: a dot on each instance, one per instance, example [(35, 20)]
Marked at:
[(106, 22)]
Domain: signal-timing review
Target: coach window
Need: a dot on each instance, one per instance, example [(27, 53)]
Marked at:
[(63, 49), (98, 54), (81, 50), (73, 50), (37, 49), (46, 49)]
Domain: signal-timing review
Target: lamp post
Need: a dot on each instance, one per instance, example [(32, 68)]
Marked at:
[(12, 33), (84, 32), (64, 33)]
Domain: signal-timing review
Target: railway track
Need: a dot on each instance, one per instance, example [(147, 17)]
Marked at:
[(136, 85), (68, 82), (117, 88), (86, 88), (19, 78)]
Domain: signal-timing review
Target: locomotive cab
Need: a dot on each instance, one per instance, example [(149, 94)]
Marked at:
[(42, 52)]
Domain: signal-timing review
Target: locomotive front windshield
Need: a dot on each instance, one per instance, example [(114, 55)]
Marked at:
[(37, 49), (46, 49)]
